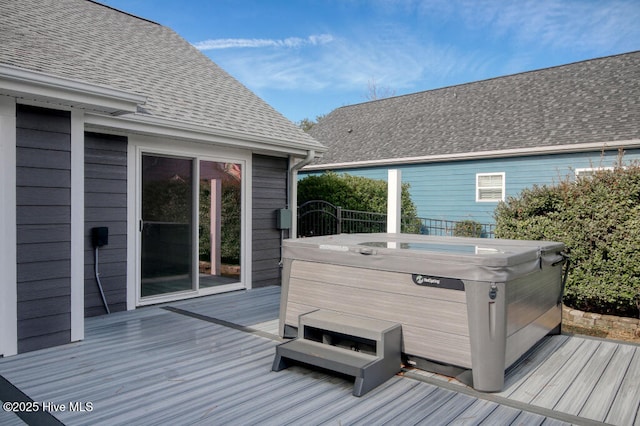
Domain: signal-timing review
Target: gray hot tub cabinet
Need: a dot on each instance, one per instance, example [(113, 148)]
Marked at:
[(463, 303)]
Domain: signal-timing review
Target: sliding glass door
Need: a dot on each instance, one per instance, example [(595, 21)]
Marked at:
[(220, 204), (166, 225), (190, 225)]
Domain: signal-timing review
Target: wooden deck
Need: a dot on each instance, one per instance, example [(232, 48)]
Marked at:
[(208, 361)]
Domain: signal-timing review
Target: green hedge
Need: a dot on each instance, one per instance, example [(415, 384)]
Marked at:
[(598, 218), (357, 193), (467, 228)]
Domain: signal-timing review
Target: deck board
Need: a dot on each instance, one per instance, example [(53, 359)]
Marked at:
[(247, 311), (529, 365), (554, 363), (626, 406), (157, 366), (559, 383), (475, 414), (582, 386), (452, 409), (411, 414), (10, 419), (502, 415), (606, 390)]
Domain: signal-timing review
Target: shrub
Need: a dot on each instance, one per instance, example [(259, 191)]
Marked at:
[(356, 193), (598, 219), (467, 228)]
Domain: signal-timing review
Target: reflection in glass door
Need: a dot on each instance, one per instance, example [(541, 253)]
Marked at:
[(166, 225), (219, 223)]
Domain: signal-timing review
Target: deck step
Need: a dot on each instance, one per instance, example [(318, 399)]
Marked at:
[(326, 356), (365, 348)]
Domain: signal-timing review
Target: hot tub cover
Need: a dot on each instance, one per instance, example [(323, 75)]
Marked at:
[(478, 259)]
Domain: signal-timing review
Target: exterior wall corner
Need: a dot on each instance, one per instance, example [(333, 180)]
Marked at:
[(8, 234)]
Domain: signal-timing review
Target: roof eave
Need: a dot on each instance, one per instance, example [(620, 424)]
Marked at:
[(465, 156), (173, 129), (114, 109), (37, 86)]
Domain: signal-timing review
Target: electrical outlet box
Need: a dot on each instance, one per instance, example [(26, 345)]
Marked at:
[(283, 219), (100, 236)]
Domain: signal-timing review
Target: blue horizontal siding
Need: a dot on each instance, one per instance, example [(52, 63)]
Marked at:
[(447, 190)]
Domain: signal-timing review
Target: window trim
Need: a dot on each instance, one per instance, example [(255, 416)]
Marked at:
[(502, 187), (585, 171)]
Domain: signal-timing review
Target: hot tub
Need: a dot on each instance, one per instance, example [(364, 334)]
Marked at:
[(469, 307)]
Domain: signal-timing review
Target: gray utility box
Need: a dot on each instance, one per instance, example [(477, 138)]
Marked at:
[(468, 307)]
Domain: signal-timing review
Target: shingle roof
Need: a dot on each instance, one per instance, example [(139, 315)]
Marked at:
[(93, 43), (591, 101)]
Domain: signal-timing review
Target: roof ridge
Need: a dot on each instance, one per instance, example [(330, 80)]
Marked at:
[(453, 86), (123, 12)]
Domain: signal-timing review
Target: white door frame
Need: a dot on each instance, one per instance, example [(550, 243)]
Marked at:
[(139, 145)]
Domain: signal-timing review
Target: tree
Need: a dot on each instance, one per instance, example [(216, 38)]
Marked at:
[(374, 92), (307, 124)]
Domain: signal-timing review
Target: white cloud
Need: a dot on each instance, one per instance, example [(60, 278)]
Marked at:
[(453, 42), (388, 54), (290, 42), (556, 24)]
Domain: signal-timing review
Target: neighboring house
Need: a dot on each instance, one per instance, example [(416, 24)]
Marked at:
[(464, 148), (110, 120)]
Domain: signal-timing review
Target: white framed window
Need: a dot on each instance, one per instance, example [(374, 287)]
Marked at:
[(588, 172), (490, 187)]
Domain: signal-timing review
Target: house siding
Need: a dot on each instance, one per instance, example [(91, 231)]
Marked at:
[(105, 183), (269, 195), (43, 210), (447, 190)]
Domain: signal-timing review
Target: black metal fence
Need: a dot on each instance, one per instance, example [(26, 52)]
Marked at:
[(452, 228), (318, 217)]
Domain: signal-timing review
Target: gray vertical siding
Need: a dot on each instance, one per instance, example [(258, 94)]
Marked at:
[(269, 195), (43, 192), (105, 203)]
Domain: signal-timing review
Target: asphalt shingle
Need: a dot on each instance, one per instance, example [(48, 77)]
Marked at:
[(93, 43), (591, 101)]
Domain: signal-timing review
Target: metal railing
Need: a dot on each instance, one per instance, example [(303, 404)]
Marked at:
[(318, 217), (453, 228)]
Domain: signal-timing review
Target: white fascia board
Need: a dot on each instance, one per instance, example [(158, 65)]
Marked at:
[(519, 152), (31, 85), (153, 126)]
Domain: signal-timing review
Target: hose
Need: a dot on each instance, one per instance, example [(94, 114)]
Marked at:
[(104, 300), (567, 265)]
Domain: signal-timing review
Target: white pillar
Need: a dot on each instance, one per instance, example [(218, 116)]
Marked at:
[(394, 193), (8, 232), (77, 225)]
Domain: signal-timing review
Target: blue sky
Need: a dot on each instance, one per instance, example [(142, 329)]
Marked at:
[(308, 57)]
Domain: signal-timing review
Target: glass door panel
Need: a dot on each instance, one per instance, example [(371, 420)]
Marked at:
[(219, 223), (167, 225)]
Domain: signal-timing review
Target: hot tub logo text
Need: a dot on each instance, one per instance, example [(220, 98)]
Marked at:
[(438, 282), (422, 280)]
